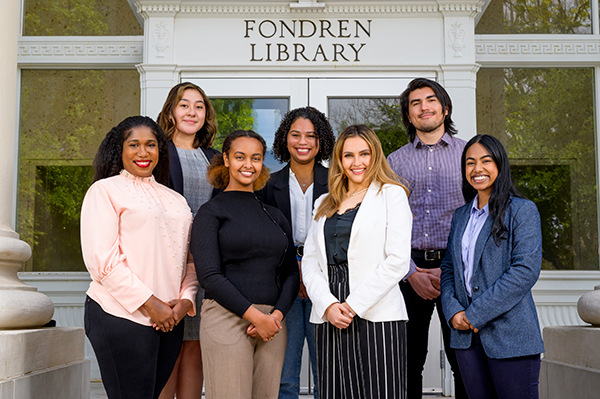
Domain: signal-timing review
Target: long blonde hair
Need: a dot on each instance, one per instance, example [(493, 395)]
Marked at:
[(378, 171)]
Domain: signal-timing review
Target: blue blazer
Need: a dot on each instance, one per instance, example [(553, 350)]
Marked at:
[(502, 307)]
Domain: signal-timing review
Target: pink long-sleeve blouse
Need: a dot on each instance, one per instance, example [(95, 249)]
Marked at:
[(134, 239)]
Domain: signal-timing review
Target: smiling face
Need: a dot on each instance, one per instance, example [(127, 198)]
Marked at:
[(425, 112), (189, 113), (244, 160), (140, 152), (302, 142), (481, 171), (356, 158)]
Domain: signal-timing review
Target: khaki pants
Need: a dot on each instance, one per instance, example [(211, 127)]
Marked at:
[(237, 366)]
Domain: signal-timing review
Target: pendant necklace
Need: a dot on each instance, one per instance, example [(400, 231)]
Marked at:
[(356, 193), (305, 182)]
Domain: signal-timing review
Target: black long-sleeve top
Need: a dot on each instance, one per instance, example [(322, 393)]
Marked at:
[(244, 253)]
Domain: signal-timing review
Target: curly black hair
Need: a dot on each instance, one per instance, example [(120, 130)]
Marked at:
[(322, 129), (109, 158)]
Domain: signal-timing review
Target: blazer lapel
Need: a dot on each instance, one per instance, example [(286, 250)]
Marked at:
[(281, 193), (322, 252), (462, 221), (484, 235), (320, 181)]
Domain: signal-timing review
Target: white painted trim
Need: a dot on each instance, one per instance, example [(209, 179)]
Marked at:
[(417, 8), (88, 50), (537, 50)]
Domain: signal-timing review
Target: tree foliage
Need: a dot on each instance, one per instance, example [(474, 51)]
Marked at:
[(232, 114)]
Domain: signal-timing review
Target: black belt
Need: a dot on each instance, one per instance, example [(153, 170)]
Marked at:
[(428, 254)]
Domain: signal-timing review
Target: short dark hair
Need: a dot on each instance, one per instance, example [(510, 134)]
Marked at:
[(109, 158), (322, 129), (442, 96), (217, 173), (503, 188)]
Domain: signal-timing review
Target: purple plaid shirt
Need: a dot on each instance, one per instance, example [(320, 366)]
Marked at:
[(435, 183)]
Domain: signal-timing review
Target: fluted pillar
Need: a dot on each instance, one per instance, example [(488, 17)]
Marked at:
[(21, 306)]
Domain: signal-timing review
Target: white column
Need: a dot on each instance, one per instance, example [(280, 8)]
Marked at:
[(459, 70), (21, 306)]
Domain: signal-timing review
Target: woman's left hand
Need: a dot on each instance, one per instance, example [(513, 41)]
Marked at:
[(460, 322), (180, 307)]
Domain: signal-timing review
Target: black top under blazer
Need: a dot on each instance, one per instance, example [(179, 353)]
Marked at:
[(277, 191)]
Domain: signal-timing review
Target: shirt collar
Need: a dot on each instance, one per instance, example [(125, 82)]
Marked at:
[(479, 212), (446, 140)]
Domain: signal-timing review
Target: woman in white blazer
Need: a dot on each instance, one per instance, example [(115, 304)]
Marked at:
[(356, 252)]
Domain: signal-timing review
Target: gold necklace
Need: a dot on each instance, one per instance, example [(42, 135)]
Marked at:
[(356, 193)]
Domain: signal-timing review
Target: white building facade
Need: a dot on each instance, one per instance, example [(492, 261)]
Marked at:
[(525, 71)]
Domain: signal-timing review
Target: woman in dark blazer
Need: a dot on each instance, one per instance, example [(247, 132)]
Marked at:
[(303, 140), (493, 259), (190, 124)]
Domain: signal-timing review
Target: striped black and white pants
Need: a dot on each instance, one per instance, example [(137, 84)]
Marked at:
[(367, 360)]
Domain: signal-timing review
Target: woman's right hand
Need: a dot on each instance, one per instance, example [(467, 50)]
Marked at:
[(161, 314), (264, 326), (460, 322), (339, 315)]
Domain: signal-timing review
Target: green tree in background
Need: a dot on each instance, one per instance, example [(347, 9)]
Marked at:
[(380, 114), (79, 18), (536, 16), (232, 114)]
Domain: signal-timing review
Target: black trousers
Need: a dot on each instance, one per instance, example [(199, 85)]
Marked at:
[(135, 360), (420, 312)]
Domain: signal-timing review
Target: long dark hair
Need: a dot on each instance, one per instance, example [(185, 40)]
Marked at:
[(503, 188), (109, 158), (442, 96), (217, 173), (207, 133), (322, 130)]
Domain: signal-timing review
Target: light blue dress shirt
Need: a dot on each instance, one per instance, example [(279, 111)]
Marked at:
[(469, 239)]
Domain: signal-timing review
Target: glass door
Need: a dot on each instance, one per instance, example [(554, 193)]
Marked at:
[(254, 104)]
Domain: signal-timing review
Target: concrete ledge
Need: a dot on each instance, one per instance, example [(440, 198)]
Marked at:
[(62, 382), (563, 380), (571, 365), (29, 351), (578, 345)]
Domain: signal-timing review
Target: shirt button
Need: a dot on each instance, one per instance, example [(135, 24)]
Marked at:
[(431, 150), (427, 211), (426, 235), (428, 190), (335, 254), (429, 168)]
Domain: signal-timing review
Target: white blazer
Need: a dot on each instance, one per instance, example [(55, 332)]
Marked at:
[(378, 257)]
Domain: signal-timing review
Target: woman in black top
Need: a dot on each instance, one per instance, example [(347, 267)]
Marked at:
[(245, 260)]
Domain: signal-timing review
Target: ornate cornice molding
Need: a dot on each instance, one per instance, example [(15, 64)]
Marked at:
[(541, 48), (82, 49), (411, 8)]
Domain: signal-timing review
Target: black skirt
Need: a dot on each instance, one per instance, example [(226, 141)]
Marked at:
[(367, 360)]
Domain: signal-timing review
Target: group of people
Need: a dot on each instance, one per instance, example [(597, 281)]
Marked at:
[(208, 270)]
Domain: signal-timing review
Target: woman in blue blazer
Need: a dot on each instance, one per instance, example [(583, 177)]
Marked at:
[(493, 260)]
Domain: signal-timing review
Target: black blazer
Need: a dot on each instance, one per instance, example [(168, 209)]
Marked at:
[(277, 191), (175, 172)]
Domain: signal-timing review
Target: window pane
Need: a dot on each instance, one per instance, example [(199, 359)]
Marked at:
[(548, 132), (536, 16), (64, 117), (380, 114), (263, 115), (80, 18)]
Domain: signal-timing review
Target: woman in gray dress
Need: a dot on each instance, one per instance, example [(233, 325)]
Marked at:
[(190, 123)]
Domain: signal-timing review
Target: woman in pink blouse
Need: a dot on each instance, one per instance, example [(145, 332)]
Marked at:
[(134, 238)]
